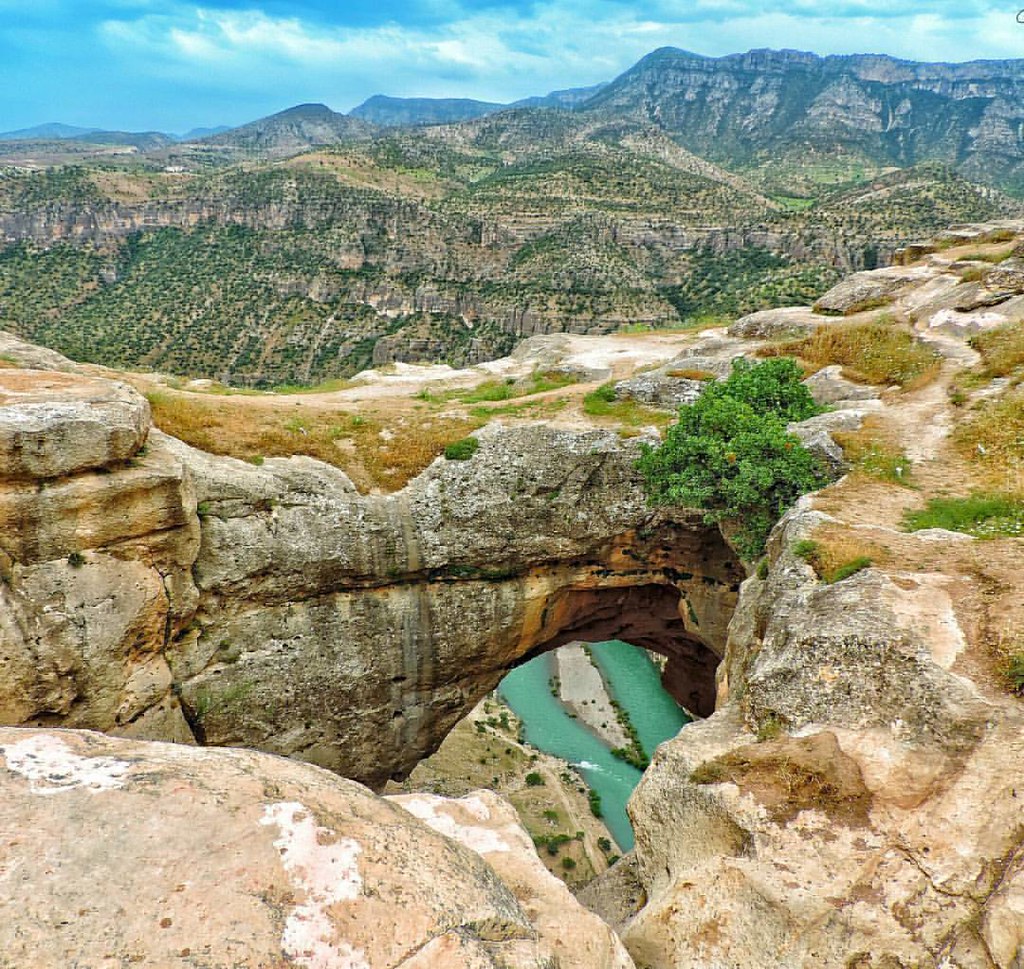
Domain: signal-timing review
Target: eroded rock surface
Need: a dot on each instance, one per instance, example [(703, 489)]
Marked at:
[(175, 595), (119, 852), (855, 800)]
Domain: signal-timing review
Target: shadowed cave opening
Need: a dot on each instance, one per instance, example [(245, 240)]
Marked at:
[(646, 616)]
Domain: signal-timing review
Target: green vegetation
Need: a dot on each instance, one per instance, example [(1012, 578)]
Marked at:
[(602, 402), (533, 779), (730, 452), (869, 454), (1001, 349), (832, 564), (595, 803), (740, 281), (1014, 672), (984, 516), (462, 450), (76, 560)]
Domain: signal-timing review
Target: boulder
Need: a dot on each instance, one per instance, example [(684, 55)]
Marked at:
[(657, 389), (54, 424), (871, 289), (123, 852), (828, 386), (791, 322)]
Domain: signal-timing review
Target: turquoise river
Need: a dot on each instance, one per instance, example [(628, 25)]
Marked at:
[(634, 681)]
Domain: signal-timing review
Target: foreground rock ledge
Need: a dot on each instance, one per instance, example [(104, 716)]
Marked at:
[(122, 852)]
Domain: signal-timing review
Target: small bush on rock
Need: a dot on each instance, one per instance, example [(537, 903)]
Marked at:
[(462, 450), (731, 455)]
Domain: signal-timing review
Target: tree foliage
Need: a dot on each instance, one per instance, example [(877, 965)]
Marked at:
[(731, 455)]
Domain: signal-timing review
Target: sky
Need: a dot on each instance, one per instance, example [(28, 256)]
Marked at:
[(171, 66)]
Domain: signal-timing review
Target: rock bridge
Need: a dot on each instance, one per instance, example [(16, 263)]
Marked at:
[(154, 591)]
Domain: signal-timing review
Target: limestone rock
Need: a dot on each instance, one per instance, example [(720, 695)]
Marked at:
[(815, 434), (183, 596), (870, 289), (829, 386), (659, 389), (488, 825), (821, 814), (54, 424), (31, 357), (790, 322), (128, 852)]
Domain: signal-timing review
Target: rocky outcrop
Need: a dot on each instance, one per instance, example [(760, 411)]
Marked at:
[(121, 852), (821, 815), (173, 595)]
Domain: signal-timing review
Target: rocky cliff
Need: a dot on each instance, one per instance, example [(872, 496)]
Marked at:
[(155, 591), (119, 852), (853, 799)]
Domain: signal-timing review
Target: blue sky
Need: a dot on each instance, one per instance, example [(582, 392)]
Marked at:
[(164, 64)]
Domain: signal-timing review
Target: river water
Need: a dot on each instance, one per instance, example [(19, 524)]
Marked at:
[(634, 681)]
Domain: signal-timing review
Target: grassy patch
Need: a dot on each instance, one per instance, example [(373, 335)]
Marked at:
[(984, 516), (871, 455), (875, 353), (992, 256), (1014, 672), (462, 450), (602, 402), (234, 427), (837, 557), (992, 435), (1001, 349)]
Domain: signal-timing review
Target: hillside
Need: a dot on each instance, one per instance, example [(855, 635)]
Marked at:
[(791, 118), (309, 245)]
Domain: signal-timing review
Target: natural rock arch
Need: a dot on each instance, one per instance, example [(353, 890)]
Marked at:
[(652, 617), (172, 595)]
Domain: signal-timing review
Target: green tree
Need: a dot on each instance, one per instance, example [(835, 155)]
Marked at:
[(731, 455)]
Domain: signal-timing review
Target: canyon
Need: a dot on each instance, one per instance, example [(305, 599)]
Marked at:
[(850, 798)]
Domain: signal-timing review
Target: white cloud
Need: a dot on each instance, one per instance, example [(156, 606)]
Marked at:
[(503, 54)]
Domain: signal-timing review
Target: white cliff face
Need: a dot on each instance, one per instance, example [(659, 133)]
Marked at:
[(165, 855)]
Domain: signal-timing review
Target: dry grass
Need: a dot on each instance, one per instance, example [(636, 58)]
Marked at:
[(836, 554), (991, 435), (878, 352), (686, 374), (354, 443), (1001, 349), (872, 454)]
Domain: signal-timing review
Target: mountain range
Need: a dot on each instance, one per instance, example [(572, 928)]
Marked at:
[(310, 243), (764, 112)]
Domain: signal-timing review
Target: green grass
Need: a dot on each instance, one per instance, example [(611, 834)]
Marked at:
[(1014, 672), (603, 403), (462, 450), (983, 516)]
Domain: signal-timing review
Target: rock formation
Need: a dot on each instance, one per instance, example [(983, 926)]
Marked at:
[(156, 591), (121, 852), (854, 800)]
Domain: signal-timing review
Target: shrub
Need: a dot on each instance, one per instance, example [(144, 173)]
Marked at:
[(462, 450), (568, 863), (76, 560), (1015, 672), (732, 456), (533, 779), (595, 803)]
